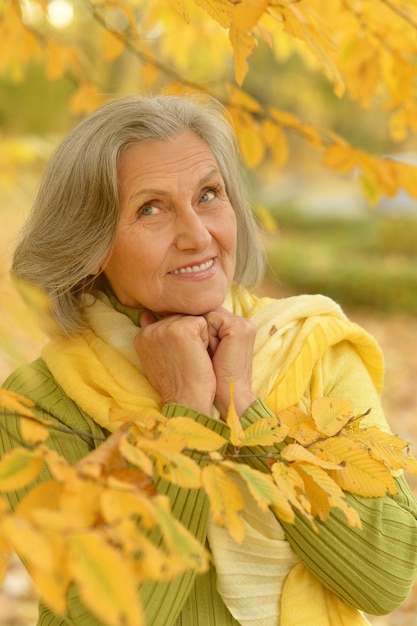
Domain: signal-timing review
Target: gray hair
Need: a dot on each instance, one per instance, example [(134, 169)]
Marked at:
[(73, 223)]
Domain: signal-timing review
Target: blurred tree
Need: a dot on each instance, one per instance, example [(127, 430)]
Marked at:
[(365, 49)]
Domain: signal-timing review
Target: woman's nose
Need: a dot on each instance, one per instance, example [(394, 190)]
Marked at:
[(192, 231)]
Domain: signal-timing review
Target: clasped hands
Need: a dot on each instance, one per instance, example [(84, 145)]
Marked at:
[(192, 360)]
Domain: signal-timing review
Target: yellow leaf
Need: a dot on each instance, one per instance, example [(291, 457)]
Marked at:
[(113, 45), (370, 188), (180, 8), (261, 486), (237, 434), (33, 430), (149, 561), (118, 505), (80, 504), (291, 485), (389, 449), (264, 432), (240, 100), (247, 13), (324, 493), (149, 74), (5, 548), (16, 403), (46, 495), (172, 465), (225, 499), (407, 177), (180, 542), (58, 466), (18, 468), (301, 426), (106, 457), (294, 453), (251, 143), (59, 59), (85, 99), (192, 434), (243, 46), (317, 496), (52, 583), (105, 580), (218, 10), (340, 157), (30, 543), (136, 456), (331, 414), (276, 140), (360, 474)]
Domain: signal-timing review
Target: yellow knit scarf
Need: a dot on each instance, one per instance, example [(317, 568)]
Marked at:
[(262, 581)]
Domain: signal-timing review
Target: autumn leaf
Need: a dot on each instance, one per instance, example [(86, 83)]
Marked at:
[(360, 473), (117, 506), (113, 45), (5, 548), (18, 468), (330, 415), (247, 13), (15, 403), (136, 456), (291, 485), (385, 447), (180, 541), (264, 432), (191, 434), (251, 143), (101, 571), (324, 493), (85, 99), (262, 488), (301, 426), (106, 457), (237, 434), (32, 430), (44, 555), (219, 10), (243, 45), (172, 465), (276, 139), (226, 500), (294, 453)]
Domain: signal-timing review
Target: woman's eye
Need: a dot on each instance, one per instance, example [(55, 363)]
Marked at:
[(147, 209), (208, 195)]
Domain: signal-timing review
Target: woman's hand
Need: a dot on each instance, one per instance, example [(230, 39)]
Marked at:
[(231, 342), (174, 354)]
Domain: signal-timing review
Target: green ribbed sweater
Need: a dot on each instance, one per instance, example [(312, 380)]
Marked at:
[(372, 569)]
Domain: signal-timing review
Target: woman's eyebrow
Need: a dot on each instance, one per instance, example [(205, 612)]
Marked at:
[(162, 192)]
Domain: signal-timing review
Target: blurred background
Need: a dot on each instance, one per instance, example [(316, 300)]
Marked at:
[(319, 231)]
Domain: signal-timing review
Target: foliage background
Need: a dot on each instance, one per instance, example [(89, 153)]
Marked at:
[(320, 233)]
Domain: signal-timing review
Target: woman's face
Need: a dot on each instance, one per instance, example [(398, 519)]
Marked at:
[(176, 242)]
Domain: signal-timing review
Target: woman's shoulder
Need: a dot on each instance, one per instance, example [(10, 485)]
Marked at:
[(35, 382), (29, 377)]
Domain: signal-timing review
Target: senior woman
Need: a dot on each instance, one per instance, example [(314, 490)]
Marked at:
[(143, 239)]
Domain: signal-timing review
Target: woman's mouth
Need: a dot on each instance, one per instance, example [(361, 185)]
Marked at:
[(194, 269)]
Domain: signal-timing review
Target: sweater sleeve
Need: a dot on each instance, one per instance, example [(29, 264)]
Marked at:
[(374, 568), (162, 601)]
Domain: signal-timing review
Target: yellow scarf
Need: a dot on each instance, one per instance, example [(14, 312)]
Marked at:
[(100, 370)]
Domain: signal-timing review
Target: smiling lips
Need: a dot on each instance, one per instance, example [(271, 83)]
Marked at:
[(193, 269)]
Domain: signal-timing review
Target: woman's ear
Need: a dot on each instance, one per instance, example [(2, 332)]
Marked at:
[(95, 270)]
